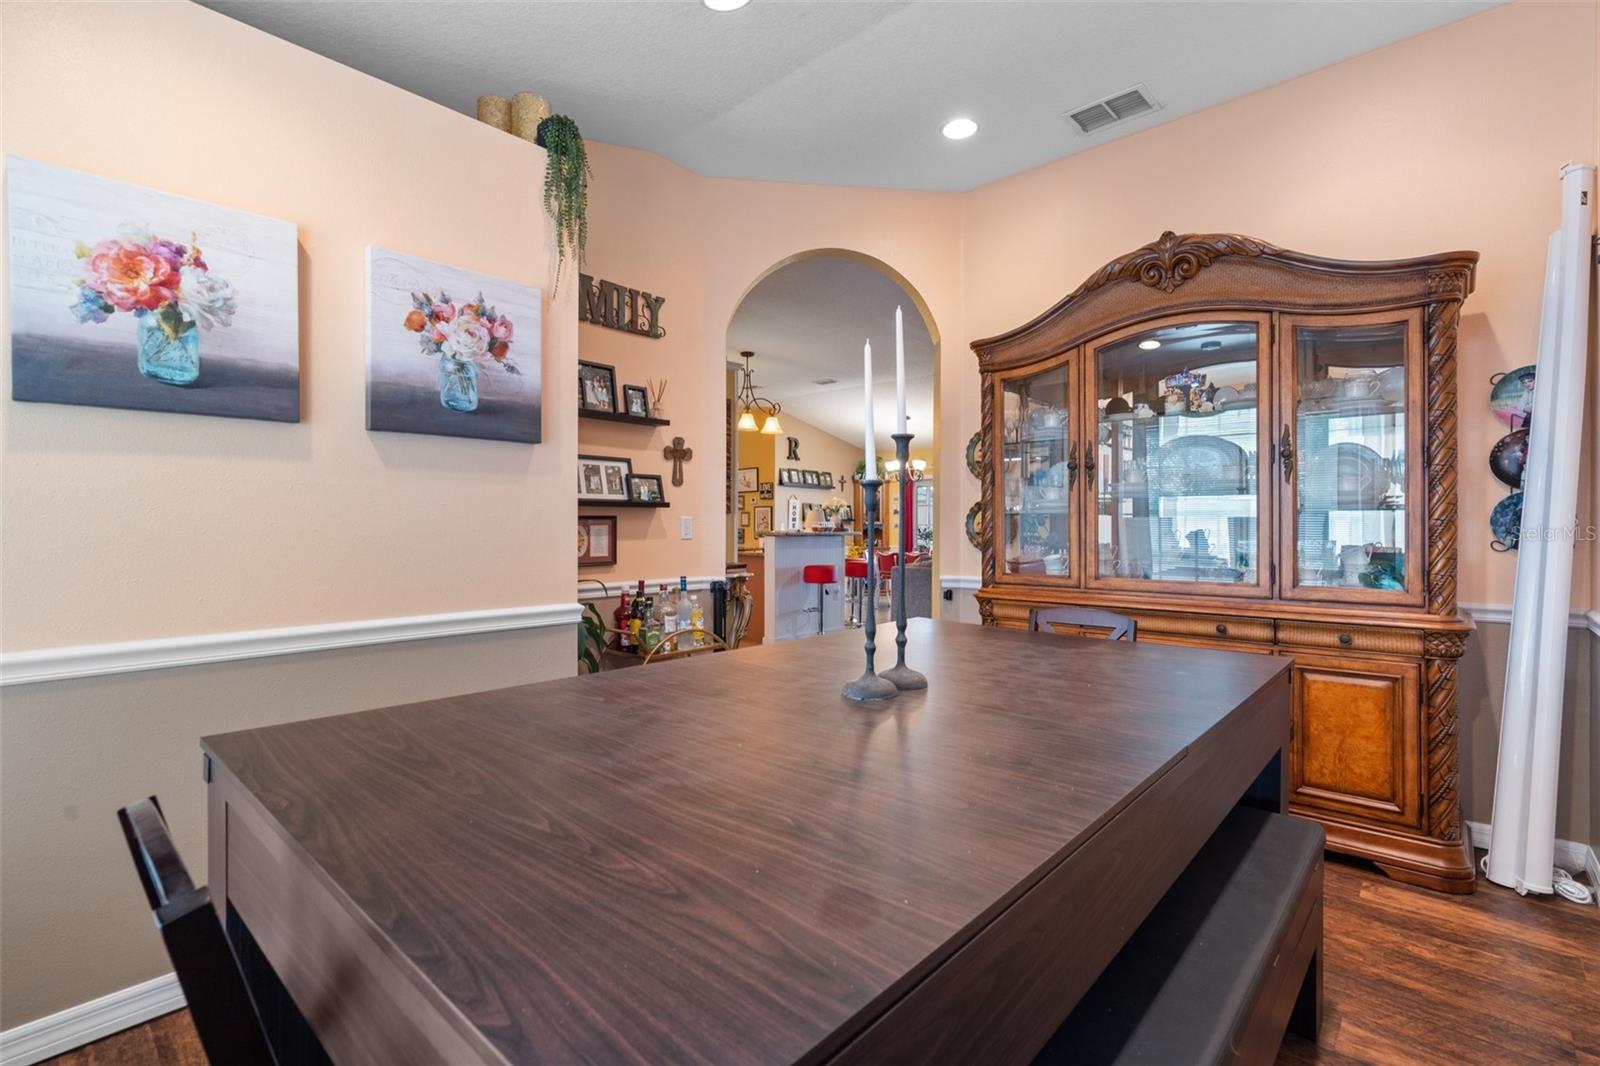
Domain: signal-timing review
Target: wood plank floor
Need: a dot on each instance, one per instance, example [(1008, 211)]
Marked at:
[(1410, 977)]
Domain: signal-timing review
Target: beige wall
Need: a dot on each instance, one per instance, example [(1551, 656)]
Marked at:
[(1447, 140), (704, 242), (129, 525)]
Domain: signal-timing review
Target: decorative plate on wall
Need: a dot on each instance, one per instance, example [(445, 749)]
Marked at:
[(1509, 457), (1512, 396), (975, 455), (1505, 522), (975, 525)]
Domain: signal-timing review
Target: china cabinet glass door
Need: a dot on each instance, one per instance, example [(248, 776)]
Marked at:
[(1036, 471), (1181, 427), (1350, 449)]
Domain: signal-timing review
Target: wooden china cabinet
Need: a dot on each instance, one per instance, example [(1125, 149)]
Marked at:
[(1249, 448)]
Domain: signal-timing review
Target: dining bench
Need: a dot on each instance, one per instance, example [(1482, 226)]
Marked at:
[(1229, 959)]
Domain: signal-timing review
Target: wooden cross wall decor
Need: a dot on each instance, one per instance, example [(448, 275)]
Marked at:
[(679, 455)]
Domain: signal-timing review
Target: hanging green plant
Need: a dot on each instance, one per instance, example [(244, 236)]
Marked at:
[(566, 188)]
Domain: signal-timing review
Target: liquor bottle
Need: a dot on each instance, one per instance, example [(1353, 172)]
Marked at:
[(649, 635), (636, 621), (620, 618), (697, 619), (685, 621), (669, 616)]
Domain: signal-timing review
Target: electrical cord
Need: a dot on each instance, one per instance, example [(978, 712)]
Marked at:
[(1563, 882)]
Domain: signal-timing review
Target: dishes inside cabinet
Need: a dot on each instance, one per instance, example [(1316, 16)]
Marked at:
[(1347, 476), (1201, 465)]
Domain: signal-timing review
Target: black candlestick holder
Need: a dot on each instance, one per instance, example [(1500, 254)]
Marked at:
[(902, 676), (869, 686)]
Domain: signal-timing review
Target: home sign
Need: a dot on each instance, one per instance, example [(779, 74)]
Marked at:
[(605, 303)]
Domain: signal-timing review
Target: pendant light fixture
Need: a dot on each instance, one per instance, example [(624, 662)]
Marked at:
[(753, 409)]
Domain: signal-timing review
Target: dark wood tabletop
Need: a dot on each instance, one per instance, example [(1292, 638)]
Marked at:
[(720, 859)]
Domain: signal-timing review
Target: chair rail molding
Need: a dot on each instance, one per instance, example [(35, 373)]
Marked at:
[(615, 586), (64, 1030), (96, 660), (961, 581), (1501, 613)]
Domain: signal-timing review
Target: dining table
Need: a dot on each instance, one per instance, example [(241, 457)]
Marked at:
[(722, 860)]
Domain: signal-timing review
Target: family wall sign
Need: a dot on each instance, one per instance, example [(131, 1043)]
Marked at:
[(605, 303)]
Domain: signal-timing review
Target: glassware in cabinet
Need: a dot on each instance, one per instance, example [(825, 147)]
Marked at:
[(1180, 413), (1038, 470)]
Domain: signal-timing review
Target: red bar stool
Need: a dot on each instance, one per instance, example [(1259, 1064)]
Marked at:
[(855, 575), (820, 575), (886, 564)]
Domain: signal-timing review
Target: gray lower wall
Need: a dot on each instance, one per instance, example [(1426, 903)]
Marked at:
[(1481, 684), (73, 921)]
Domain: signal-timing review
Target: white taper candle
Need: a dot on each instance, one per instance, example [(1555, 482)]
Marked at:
[(871, 469), (899, 371)]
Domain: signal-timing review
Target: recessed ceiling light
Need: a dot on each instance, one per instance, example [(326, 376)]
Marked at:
[(959, 129), (724, 5), (1150, 345)]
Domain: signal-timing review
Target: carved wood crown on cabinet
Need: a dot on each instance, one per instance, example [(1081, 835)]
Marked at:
[(1375, 701)]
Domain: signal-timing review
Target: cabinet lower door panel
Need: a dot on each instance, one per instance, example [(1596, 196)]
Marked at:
[(1356, 749)]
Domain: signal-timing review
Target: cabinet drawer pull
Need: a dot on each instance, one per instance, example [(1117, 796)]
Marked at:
[(1222, 629), (1072, 465), (1346, 639)]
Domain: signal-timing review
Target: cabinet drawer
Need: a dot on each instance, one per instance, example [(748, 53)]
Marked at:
[(1210, 628), (1377, 639), (1356, 748)]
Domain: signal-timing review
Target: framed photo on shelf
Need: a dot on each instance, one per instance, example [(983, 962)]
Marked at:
[(783, 476), (636, 401), (763, 520), (597, 387), (597, 540), (749, 478), (603, 478), (827, 480), (812, 479), (646, 488), (766, 491)]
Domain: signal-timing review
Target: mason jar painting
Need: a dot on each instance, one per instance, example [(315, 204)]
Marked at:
[(124, 296), (450, 352)]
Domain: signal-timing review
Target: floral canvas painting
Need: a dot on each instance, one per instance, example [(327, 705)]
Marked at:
[(450, 352), (125, 296)]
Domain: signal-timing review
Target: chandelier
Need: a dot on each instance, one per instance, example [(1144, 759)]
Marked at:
[(752, 407)]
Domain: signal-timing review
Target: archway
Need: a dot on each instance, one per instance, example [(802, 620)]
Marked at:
[(805, 316)]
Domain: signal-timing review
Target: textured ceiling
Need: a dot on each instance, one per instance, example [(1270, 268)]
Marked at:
[(808, 320), (842, 93)]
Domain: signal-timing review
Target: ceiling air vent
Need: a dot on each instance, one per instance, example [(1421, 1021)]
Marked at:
[(1113, 109), (826, 381)]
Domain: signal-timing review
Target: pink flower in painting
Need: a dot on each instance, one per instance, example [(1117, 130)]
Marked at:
[(500, 329), (131, 276), (444, 312)]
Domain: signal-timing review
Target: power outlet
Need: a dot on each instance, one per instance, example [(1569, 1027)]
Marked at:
[(686, 527)]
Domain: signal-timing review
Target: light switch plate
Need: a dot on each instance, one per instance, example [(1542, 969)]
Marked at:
[(686, 527)]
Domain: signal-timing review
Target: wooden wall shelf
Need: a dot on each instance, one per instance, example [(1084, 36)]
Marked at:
[(619, 416), (623, 503)]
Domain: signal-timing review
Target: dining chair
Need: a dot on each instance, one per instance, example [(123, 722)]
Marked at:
[(219, 1000), (1046, 619)]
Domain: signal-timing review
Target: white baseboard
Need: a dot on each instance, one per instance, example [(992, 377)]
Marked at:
[(61, 1032), (1570, 855), (95, 660), (961, 581)]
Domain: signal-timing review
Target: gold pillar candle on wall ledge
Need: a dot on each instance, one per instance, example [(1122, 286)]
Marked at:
[(495, 111), (527, 111)]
